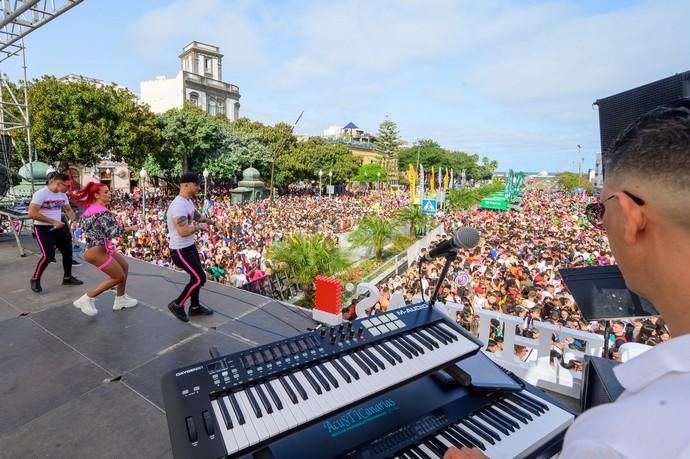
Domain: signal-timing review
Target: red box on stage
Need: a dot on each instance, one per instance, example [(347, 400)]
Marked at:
[(328, 296)]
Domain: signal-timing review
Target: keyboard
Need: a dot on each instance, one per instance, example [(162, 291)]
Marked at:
[(420, 420), (239, 403)]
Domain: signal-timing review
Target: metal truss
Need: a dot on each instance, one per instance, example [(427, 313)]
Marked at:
[(21, 17)]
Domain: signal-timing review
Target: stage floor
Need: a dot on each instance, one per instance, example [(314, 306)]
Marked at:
[(74, 386)]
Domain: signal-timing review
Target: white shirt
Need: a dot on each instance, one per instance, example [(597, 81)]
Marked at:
[(180, 207), (51, 204), (649, 419)]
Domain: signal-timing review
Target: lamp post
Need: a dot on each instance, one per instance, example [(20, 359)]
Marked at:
[(579, 150), (142, 176), (320, 175), (330, 180), (205, 174)]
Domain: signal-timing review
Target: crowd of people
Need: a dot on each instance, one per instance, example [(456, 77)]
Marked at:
[(233, 250), (514, 270)]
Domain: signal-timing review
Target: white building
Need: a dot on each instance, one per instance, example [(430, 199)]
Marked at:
[(199, 82)]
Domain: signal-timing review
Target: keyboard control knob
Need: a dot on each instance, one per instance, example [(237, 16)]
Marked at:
[(360, 331), (334, 339), (322, 332)]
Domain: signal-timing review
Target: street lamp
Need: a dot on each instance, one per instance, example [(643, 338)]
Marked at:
[(320, 175), (330, 179), (143, 175), (579, 150), (205, 173)]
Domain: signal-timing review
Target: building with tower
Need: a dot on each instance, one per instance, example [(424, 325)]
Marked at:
[(199, 82)]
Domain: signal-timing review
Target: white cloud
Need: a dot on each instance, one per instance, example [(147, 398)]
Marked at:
[(444, 69), (163, 31)]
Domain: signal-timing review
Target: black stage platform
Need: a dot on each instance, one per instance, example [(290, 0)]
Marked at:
[(74, 386)]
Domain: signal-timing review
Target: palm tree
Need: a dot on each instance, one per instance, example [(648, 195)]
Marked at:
[(308, 255), (413, 216), (373, 231)]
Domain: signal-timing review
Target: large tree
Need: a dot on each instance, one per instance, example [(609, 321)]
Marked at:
[(309, 157), (238, 151), (188, 137), (430, 153), (370, 173), (80, 122), (387, 139), (569, 181)]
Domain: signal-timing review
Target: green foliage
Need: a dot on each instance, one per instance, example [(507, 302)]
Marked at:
[(430, 153), (308, 157), (188, 137), (307, 256), (236, 152), (412, 216), (465, 198), (369, 173), (570, 181), (373, 231), (79, 122), (387, 139)]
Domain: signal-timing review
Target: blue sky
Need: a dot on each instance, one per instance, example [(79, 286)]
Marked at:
[(511, 80)]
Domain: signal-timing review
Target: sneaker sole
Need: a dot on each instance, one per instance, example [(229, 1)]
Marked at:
[(81, 308)]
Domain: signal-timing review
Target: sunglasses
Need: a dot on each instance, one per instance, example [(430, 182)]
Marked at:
[(595, 211)]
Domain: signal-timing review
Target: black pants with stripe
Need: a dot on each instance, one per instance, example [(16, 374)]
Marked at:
[(47, 239), (188, 260)]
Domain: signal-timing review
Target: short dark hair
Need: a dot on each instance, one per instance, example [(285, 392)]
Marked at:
[(657, 146), (55, 175)]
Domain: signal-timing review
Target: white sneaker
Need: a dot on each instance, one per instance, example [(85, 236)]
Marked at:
[(124, 301), (87, 305)]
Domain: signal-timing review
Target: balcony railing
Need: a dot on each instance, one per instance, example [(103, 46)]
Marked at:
[(537, 368)]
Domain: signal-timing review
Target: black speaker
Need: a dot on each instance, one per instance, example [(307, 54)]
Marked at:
[(619, 110), (599, 382)]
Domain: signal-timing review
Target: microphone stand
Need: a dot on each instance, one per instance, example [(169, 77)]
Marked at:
[(449, 259)]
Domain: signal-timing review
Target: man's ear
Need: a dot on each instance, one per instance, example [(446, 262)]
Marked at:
[(634, 218)]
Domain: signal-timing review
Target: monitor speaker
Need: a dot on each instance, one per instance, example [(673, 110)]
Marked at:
[(599, 383)]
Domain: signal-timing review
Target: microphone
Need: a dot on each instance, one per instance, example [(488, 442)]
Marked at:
[(464, 238)]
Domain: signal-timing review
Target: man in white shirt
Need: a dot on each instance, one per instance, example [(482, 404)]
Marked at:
[(645, 209), (182, 225), (50, 231)]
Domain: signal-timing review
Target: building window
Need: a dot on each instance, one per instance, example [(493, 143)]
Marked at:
[(208, 66), (221, 106), (194, 98), (211, 106), (236, 111)]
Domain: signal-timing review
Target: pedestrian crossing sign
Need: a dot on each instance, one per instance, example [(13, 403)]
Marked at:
[(429, 206)]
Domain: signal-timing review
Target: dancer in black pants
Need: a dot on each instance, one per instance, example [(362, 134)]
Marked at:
[(49, 229), (182, 224)]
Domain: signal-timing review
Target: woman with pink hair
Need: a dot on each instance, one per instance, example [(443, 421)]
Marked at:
[(100, 227)]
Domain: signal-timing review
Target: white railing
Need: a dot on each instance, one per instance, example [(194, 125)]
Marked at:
[(537, 367)]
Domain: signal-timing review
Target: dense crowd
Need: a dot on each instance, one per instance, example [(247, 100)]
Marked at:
[(234, 248), (514, 270)]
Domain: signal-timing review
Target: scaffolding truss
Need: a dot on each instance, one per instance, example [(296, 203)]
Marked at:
[(21, 17), (18, 18)]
